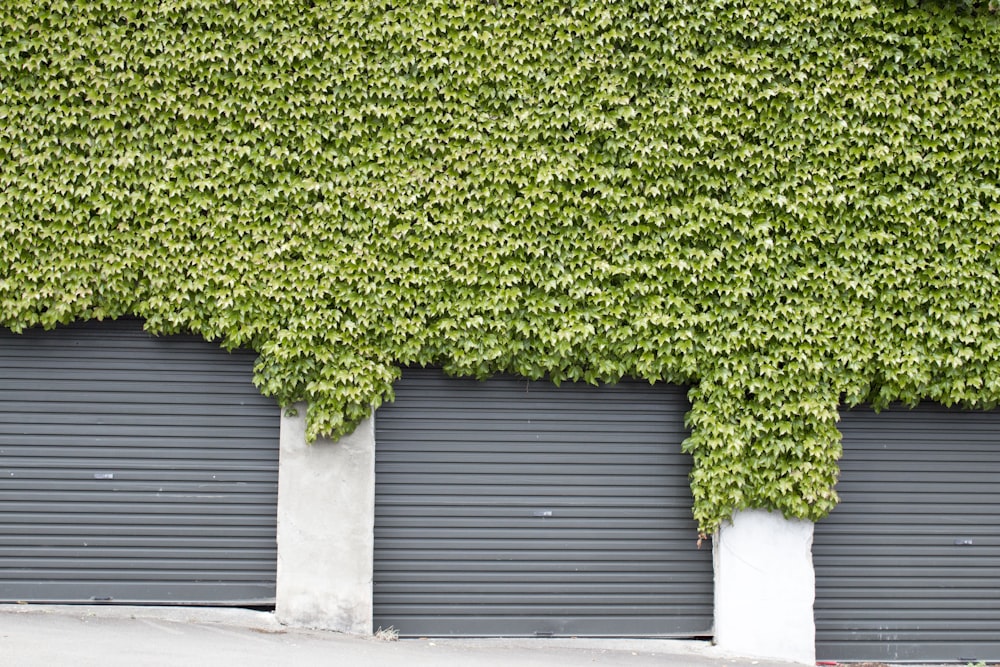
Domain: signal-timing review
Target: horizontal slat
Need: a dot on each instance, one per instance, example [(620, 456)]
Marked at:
[(82, 571), (525, 530), (499, 469), (122, 591), (124, 494), (603, 579), (68, 576), (689, 624), (555, 608), (88, 556), (534, 528), (192, 449), (637, 494), (445, 461), (70, 511), (179, 540), (471, 567), (129, 474), (81, 412), (584, 515), (526, 441)]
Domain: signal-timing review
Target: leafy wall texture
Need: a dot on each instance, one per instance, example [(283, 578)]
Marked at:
[(787, 204)]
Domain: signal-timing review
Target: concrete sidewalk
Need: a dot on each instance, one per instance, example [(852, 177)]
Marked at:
[(83, 636)]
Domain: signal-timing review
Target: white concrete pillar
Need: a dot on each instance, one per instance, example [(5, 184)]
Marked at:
[(765, 587), (326, 528)]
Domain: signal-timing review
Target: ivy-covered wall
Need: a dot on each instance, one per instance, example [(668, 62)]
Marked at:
[(786, 203)]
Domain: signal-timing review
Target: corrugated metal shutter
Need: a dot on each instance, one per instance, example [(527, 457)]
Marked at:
[(134, 469), (908, 566), (519, 508)]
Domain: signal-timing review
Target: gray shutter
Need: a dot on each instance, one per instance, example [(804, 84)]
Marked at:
[(908, 566), (134, 469), (510, 507)]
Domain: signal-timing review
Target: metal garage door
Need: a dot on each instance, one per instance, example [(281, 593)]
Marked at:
[(134, 469), (908, 566), (520, 508)]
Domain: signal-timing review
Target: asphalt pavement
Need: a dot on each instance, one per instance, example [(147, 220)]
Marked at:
[(112, 636)]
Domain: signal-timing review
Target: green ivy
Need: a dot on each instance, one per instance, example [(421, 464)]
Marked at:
[(790, 205)]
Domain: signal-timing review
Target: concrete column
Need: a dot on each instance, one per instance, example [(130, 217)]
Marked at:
[(765, 587), (326, 528)]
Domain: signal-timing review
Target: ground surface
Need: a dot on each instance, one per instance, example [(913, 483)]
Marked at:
[(143, 637)]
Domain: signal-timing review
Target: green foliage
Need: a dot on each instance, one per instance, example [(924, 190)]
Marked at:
[(788, 204)]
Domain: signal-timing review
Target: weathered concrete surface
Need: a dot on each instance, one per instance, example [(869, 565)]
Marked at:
[(33, 636), (765, 587), (326, 528)]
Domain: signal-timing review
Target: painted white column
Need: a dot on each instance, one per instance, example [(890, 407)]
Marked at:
[(765, 587), (326, 528)]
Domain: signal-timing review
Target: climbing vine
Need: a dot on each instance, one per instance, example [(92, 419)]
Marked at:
[(790, 205)]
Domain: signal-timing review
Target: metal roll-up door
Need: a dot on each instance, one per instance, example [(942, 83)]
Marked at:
[(518, 508), (134, 469), (908, 565)]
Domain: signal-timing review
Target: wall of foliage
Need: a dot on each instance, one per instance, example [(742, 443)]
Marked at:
[(787, 204)]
